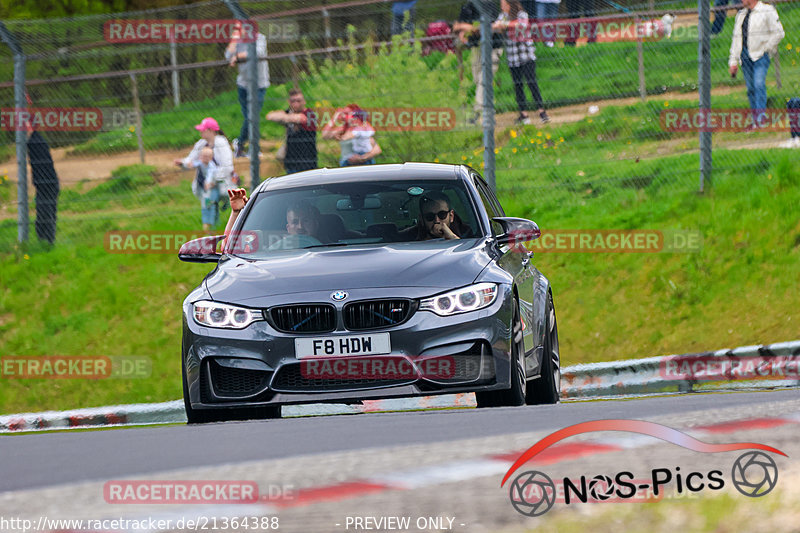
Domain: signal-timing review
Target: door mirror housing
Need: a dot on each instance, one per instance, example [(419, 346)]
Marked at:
[(517, 230), (202, 250)]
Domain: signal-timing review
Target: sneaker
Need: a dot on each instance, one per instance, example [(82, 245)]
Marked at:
[(794, 142), (544, 117), (522, 119)]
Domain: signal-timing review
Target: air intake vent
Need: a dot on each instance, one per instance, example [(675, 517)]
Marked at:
[(374, 314), (305, 318)]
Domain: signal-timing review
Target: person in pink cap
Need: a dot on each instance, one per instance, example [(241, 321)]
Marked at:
[(211, 135)]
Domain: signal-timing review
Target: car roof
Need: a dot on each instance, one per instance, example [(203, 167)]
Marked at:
[(364, 173)]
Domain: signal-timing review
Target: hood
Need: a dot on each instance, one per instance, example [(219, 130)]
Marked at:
[(435, 264)]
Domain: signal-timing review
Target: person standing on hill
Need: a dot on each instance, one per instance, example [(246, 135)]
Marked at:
[(521, 57), (236, 54), (45, 180), (756, 34), (300, 151)]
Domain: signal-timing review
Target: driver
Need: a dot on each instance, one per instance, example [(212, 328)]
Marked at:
[(437, 218)]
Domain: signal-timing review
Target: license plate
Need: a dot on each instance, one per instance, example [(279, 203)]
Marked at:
[(375, 344)]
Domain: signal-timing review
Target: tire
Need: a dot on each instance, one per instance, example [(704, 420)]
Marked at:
[(515, 396), (546, 389), (206, 416)]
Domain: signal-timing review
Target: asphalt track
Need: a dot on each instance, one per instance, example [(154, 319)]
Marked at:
[(41, 460)]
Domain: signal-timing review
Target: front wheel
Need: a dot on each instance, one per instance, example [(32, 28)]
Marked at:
[(546, 389), (514, 396), (206, 416)]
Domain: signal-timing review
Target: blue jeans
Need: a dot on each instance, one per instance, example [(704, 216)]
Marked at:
[(719, 17), (755, 77), (244, 134), (397, 22), (546, 10)]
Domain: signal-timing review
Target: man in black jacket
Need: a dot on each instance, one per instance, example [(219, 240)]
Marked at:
[(45, 181)]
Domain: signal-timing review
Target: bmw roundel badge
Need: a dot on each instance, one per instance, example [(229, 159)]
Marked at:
[(338, 296)]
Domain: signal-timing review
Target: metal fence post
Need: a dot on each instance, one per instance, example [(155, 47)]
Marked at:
[(173, 58), (137, 108), (704, 87), (640, 57), (21, 137), (488, 92)]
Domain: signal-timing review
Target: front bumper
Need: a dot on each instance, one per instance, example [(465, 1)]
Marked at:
[(256, 366)]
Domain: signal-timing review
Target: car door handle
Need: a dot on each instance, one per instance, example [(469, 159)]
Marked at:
[(527, 259)]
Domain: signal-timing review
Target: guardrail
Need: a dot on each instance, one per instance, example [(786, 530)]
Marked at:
[(747, 367)]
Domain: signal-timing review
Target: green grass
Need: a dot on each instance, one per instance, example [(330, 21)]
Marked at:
[(77, 299), (617, 170)]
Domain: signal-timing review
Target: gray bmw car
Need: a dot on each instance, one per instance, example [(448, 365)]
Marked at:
[(339, 285)]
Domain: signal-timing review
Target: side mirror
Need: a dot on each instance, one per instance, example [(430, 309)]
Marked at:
[(202, 250), (517, 230)]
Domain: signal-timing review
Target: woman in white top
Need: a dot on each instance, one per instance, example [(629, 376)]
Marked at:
[(211, 135)]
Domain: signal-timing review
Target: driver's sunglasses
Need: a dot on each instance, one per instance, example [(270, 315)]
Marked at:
[(431, 216)]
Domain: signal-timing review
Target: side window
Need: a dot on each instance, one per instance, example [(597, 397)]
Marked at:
[(491, 205)]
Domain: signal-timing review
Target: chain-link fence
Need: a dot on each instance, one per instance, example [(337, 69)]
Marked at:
[(608, 75)]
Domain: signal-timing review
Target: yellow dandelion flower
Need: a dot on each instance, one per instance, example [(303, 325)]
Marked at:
[(666, 104), (532, 141), (497, 150), (483, 165), (789, 46), (463, 158), (513, 134), (26, 257), (538, 133), (514, 150), (436, 160), (131, 129), (590, 121), (561, 139), (547, 136)]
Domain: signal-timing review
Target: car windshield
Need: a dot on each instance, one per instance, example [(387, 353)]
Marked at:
[(363, 213)]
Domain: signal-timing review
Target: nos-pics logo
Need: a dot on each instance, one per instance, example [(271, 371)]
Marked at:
[(533, 493)]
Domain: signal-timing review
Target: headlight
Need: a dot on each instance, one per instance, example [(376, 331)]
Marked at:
[(217, 315), (462, 300)]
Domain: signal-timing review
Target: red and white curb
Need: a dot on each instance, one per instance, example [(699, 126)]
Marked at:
[(463, 470), (595, 380)]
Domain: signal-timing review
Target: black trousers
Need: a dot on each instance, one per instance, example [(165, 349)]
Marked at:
[(46, 207), (522, 75)]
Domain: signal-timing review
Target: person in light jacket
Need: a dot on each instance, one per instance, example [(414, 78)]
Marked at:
[(756, 34)]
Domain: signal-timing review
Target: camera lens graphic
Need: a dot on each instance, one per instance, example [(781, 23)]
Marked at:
[(754, 474), (532, 493)]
